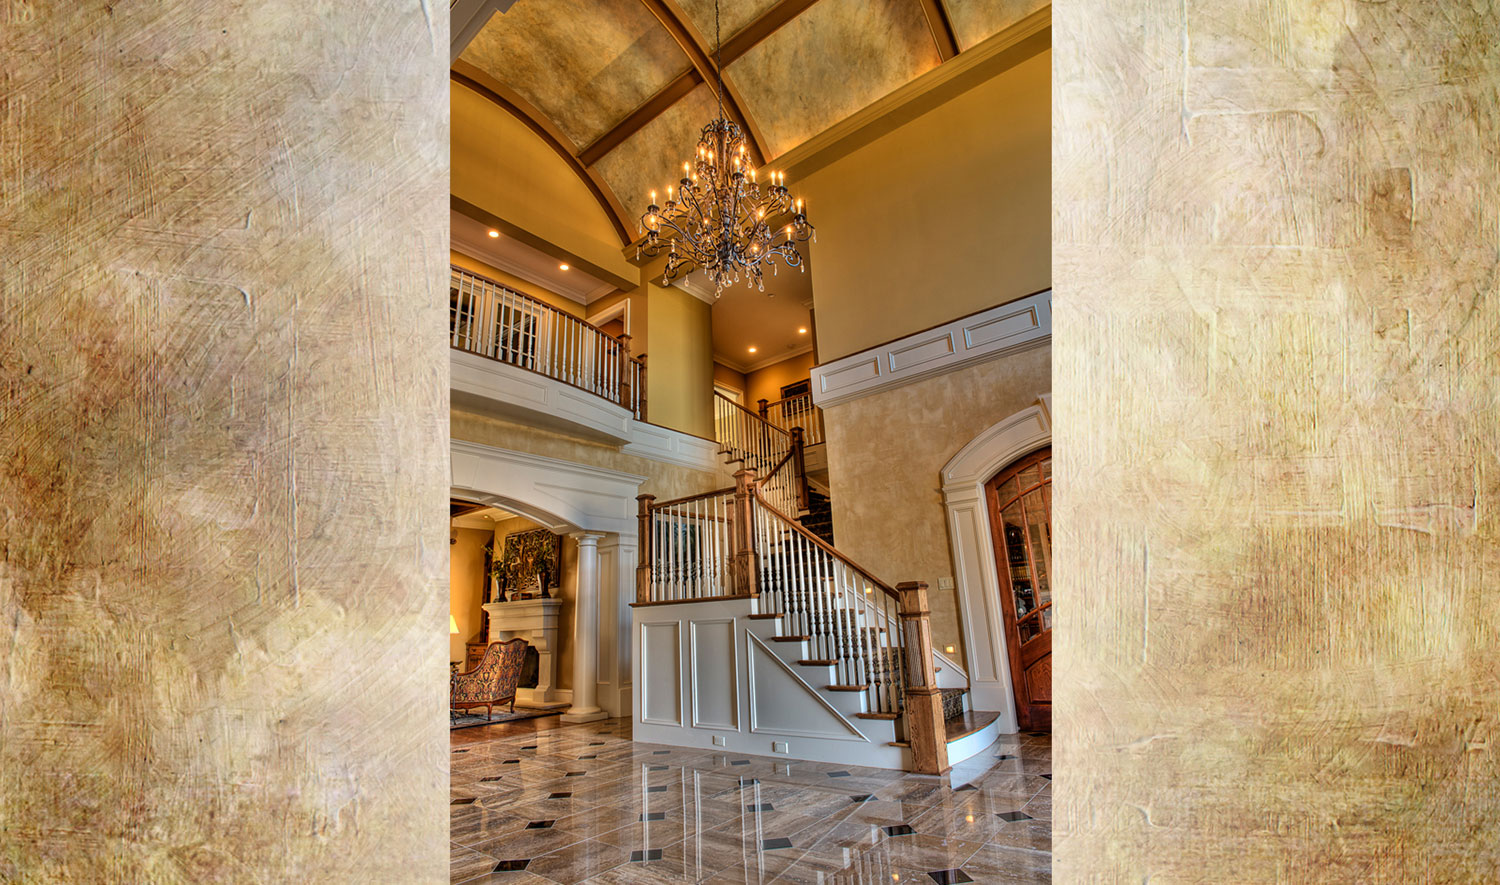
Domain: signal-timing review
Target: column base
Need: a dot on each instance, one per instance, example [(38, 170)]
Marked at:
[(593, 715)]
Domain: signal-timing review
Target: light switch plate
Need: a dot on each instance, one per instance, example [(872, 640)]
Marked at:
[(780, 747), (945, 583), (718, 740)]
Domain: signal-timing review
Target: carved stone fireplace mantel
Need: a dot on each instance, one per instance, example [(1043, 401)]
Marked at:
[(534, 620)]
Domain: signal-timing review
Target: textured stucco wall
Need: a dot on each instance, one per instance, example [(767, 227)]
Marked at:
[(222, 442), (1276, 227), (885, 453)]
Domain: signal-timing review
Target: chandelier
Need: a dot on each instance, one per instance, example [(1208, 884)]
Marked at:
[(720, 217)]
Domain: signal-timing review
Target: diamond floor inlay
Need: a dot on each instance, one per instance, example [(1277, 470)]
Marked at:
[(652, 814)]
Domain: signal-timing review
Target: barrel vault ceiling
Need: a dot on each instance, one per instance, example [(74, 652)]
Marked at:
[(620, 88)]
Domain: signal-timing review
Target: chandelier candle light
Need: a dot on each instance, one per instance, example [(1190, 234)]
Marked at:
[(722, 219)]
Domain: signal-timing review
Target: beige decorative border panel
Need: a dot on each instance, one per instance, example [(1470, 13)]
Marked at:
[(1277, 441), (223, 421)]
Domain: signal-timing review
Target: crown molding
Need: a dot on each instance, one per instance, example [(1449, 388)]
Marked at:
[(747, 368)]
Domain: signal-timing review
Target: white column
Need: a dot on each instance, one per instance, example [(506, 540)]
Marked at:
[(586, 632)]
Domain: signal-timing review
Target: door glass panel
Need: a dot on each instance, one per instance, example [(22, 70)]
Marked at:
[(1039, 537), (1028, 630), (1008, 490), (1015, 554), (1047, 618), (1030, 476)]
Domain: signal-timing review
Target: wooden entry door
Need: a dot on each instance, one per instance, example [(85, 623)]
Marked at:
[(1020, 506)]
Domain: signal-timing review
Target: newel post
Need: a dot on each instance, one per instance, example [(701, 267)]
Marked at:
[(643, 543), (744, 567), (625, 370), (763, 404), (924, 702), (799, 461)]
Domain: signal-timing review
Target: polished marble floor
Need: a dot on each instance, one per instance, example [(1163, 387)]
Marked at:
[(544, 802)]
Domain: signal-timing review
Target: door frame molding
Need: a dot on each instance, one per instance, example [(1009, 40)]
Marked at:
[(977, 581)]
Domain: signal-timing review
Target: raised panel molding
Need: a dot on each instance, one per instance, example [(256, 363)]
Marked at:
[(777, 693), (990, 333), (713, 678), (661, 662)]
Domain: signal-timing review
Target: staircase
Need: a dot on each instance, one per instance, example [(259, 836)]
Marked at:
[(819, 516), (832, 655)]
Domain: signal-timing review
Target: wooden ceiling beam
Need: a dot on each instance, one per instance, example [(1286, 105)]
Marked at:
[(734, 49), (476, 79), (692, 45), (942, 29)]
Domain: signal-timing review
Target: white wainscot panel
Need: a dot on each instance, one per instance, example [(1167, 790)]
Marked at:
[(714, 683), (781, 703), (661, 674)]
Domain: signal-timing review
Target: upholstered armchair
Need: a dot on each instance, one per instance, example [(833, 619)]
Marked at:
[(493, 681)]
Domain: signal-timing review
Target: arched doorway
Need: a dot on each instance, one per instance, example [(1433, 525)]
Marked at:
[(1019, 501)]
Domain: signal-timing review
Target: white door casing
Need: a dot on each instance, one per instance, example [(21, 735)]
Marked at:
[(969, 531)]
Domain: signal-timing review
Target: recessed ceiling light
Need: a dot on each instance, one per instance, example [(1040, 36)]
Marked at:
[(562, 267), (494, 233), (752, 350), (801, 331)]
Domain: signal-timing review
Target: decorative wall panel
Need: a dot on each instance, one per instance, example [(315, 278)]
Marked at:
[(1277, 425), (222, 424)]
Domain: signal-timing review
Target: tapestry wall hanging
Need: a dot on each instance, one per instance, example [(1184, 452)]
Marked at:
[(530, 565)]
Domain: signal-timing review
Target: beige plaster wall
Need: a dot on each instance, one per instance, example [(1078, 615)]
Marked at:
[(504, 168), (679, 368), (725, 375), (1278, 469), (940, 218), (466, 586), (222, 425), (885, 452), (767, 383)]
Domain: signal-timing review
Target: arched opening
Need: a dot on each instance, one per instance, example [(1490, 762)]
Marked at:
[(1019, 501)]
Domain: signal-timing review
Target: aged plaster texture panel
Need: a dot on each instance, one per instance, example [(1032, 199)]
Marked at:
[(733, 16), (652, 158), (665, 481), (974, 20), (222, 377), (586, 64), (885, 455), (1278, 345)]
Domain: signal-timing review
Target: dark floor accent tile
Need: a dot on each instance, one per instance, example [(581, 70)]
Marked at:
[(511, 762), (748, 782), (468, 801), (653, 815), (575, 774), (656, 789), (559, 795), (1005, 757), (641, 854), (838, 774), (949, 877), (898, 830), (532, 747), (659, 768), (865, 798), (1048, 775), (740, 762), (1038, 734), (764, 806), (491, 779), (596, 743), (773, 844), (456, 752), (964, 787), (660, 752), (1014, 816), (590, 756), (540, 825), (511, 866)]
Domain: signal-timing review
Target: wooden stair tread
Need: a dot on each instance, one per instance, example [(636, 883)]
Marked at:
[(847, 687), (790, 638), (958, 727), (765, 616), (822, 663), (877, 715)]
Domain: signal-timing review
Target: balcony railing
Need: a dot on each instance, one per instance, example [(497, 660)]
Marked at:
[(795, 411), (490, 320)]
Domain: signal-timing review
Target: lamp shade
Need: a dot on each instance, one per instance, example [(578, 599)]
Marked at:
[(453, 625)]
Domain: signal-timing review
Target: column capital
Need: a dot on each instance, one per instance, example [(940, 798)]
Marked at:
[(586, 539)]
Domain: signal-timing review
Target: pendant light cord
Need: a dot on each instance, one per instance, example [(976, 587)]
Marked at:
[(719, 58)]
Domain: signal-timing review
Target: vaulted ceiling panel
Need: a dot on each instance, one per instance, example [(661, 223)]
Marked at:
[(828, 63), (975, 20), (652, 158), (586, 64), (733, 16)]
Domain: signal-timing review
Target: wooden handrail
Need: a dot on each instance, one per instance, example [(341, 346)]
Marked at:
[(751, 414), (660, 505), (827, 547)]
